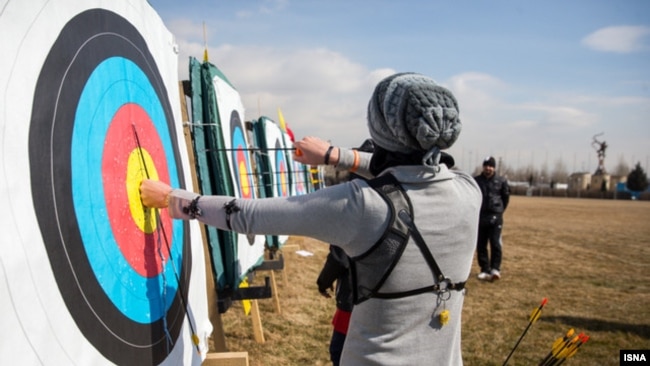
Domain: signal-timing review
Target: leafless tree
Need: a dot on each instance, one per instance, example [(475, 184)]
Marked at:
[(560, 173), (621, 169)]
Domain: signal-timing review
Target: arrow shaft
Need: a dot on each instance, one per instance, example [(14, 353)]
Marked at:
[(533, 318), (163, 234), (517, 344)]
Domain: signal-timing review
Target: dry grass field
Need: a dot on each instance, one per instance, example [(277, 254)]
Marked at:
[(590, 258)]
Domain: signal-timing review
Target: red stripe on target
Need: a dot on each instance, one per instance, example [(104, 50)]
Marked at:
[(135, 228)]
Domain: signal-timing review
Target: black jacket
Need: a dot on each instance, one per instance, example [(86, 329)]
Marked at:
[(337, 268), (496, 194)]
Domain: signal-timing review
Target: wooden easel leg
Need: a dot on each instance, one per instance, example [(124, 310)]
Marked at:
[(276, 296), (258, 332)]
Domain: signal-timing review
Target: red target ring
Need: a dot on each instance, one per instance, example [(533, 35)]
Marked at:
[(135, 229)]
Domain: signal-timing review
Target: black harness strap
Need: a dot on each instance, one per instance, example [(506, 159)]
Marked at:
[(444, 283), (371, 269), (441, 283)]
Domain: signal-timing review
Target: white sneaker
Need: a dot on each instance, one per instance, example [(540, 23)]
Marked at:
[(495, 274), (484, 276)]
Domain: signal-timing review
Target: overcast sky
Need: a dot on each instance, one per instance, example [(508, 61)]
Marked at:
[(535, 80)]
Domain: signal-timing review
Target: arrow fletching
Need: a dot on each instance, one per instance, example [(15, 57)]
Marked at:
[(283, 125), (580, 342), (537, 312)]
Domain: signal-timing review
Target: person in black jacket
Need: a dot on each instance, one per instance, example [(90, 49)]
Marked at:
[(496, 195), (337, 269)]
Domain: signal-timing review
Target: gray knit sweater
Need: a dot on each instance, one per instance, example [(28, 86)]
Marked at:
[(352, 215)]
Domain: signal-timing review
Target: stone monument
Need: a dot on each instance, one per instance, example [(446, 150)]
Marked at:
[(601, 148), (600, 179)]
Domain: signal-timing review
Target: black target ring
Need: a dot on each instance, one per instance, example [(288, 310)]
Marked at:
[(84, 42)]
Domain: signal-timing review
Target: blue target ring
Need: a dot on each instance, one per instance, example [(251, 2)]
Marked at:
[(142, 299), (281, 171)]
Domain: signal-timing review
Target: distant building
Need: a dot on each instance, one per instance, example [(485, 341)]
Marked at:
[(600, 182), (579, 181)]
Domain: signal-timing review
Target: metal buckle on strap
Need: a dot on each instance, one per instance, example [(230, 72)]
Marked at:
[(445, 285)]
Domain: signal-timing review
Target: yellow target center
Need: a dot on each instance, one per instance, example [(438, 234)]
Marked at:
[(243, 178), (283, 183), (143, 217)]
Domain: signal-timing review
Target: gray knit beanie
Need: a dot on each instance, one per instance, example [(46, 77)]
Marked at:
[(409, 112)]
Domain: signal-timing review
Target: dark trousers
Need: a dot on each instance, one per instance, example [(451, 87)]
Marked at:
[(489, 230), (336, 347)]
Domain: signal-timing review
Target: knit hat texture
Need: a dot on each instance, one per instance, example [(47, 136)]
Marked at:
[(489, 161), (409, 112)]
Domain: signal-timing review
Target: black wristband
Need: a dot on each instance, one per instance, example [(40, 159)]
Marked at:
[(193, 209), (230, 208), (327, 154)]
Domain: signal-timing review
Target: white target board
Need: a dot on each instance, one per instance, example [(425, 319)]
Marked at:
[(250, 248), (88, 276)]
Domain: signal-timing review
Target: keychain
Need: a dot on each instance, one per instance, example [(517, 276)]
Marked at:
[(444, 315)]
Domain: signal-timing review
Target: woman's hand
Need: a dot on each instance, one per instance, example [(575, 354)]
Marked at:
[(311, 151), (155, 194)]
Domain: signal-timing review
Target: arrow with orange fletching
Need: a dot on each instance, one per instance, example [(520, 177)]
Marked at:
[(574, 349), (564, 348), (559, 345)]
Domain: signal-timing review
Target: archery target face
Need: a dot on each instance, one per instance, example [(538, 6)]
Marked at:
[(101, 122), (298, 176), (241, 162), (240, 157), (248, 250), (281, 174)]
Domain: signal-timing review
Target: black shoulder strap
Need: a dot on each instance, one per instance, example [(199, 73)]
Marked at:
[(371, 269), (441, 283)]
